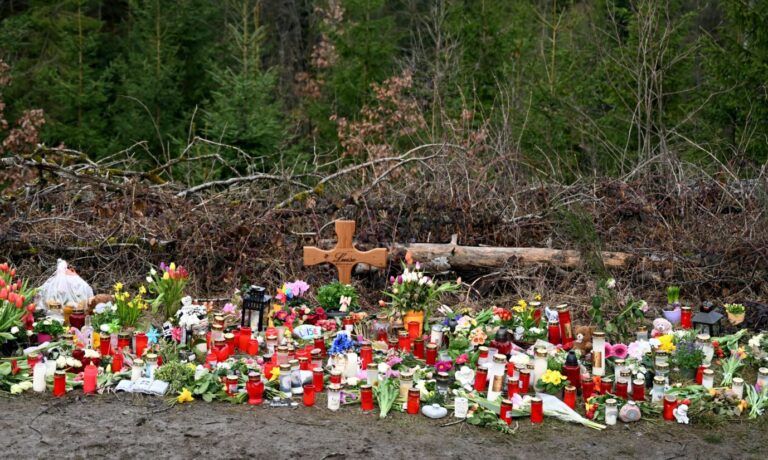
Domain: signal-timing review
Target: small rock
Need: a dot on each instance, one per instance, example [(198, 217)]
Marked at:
[(434, 411)]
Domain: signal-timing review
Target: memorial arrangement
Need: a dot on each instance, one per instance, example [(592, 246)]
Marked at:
[(416, 352)]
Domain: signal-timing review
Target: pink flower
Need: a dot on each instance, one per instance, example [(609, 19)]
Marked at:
[(176, 334), (228, 308), (443, 366), (462, 359), (618, 350)]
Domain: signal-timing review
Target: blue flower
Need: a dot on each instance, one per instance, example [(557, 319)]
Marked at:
[(342, 344)]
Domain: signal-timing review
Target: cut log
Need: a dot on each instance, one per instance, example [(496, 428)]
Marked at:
[(453, 256)]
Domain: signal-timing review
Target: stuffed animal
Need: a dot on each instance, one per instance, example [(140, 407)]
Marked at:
[(97, 299), (583, 338), (661, 327)]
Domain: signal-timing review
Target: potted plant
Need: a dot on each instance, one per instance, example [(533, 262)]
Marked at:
[(735, 313), (688, 357), (48, 329), (552, 382), (15, 311), (168, 285), (415, 294), (672, 313), (337, 298)]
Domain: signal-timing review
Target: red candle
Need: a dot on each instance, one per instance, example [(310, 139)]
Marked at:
[(229, 338), (309, 394), (140, 339), (59, 383), (404, 341), (481, 379), (336, 377), (638, 390), (510, 370), (621, 390), (700, 373), (255, 389), (418, 348), (587, 388), (117, 362), (105, 346), (320, 345), (569, 396), (245, 339), (33, 358), (317, 379), (505, 412), (236, 334), (537, 410), (348, 324), (304, 363), (606, 385), (566, 329), (553, 329), (253, 347), (414, 395), (670, 403), (211, 359), (231, 387), (222, 351), (366, 354), (366, 398), (525, 381), (513, 387), (392, 343), (14, 367), (123, 340), (686, 316), (89, 379), (431, 354), (413, 329)]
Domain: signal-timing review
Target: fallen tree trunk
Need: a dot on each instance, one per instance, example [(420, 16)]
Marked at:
[(453, 256)]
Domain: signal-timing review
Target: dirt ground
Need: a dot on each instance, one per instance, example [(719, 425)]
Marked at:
[(137, 426)]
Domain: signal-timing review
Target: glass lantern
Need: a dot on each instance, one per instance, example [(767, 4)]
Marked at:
[(255, 304)]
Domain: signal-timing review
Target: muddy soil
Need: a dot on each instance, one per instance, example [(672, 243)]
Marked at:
[(137, 426)]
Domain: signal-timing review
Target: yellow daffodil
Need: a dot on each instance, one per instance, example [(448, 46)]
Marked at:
[(142, 290), (521, 306), (173, 266), (537, 297), (712, 392), (185, 396), (166, 276), (118, 287), (275, 374), (743, 405), (665, 343)]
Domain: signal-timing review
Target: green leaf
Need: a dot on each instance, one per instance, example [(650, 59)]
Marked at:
[(208, 397)]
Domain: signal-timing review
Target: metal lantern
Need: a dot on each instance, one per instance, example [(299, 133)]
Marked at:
[(707, 320), (255, 304)]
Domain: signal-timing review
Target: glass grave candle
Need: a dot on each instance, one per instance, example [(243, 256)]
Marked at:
[(285, 378), (460, 407), (336, 376), (496, 376), (762, 378), (598, 353), (626, 375), (305, 364), (443, 383), (380, 327), (59, 383), (38, 377), (255, 389), (431, 354), (89, 379), (657, 393), (404, 341), (482, 358), (553, 332), (481, 379), (271, 340), (436, 334), (105, 346), (539, 365), (366, 398), (140, 341), (406, 383), (587, 388), (366, 354), (611, 411), (231, 386), (661, 357), (123, 340), (501, 342), (151, 366), (229, 338), (569, 396), (414, 397), (505, 411), (622, 388), (297, 386), (392, 343), (670, 403), (686, 317), (537, 410), (700, 373), (662, 370), (137, 369), (513, 387), (309, 394), (217, 332), (638, 390), (525, 381), (77, 318), (316, 355), (282, 355), (606, 385), (334, 396), (117, 363), (566, 328), (642, 334), (318, 379), (704, 343), (372, 373), (618, 366), (418, 348), (737, 386)]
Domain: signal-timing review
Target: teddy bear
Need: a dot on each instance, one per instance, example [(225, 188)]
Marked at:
[(583, 338), (97, 299)]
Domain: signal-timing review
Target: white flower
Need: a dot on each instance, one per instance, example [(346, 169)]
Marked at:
[(47, 322), (104, 328), (61, 362), (29, 333), (520, 358), (352, 381), (383, 368), (71, 362), (611, 283), (14, 330), (89, 353), (16, 389), (153, 272), (26, 385), (654, 342)]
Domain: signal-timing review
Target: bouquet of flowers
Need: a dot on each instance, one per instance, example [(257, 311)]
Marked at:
[(168, 284), (293, 294), (129, 308), (526, 328), (14, 309), (49, 327), (552, 382), (283, 316), (337, 296), (415, 291), (104, 317)]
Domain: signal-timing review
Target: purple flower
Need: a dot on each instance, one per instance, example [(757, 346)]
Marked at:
[(163, 267), (400, 279), (392, 280)]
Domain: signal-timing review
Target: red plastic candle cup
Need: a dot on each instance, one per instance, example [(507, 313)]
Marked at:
[(231, 387), (553, 329), (316, 356), (404, 341), (229, 338), (123, 340), (320, 344), (255, 389), (317, 379), (525, 381), (366, 398), (236, 334), (573, 374), (336, 377), (392, 343), (140, 339), (481, 379), (431, 354), (606, 386), (566, 328), (621, 390), (569, 396), (32, 359), (418, 348), (537, 410), (211, 360), (117, 362), (638, 390), (513, 387), (670, 403), (686, 317), (587, 388), (414, 329), (305, 363), (59, 383), (105, 346), (414, 396), (309, 395), (366, 354), (245, 339), (253, 347), (89, 379), (510, 370), (537, 316), (505, 412)]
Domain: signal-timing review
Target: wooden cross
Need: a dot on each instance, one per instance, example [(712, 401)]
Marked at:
[(344, 256)]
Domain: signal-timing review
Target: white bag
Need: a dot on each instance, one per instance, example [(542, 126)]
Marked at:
[(65, 287)]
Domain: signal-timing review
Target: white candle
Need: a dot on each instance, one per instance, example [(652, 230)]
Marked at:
[(539, 365), (461, 407), (598, 353), (352, 367), (50, 368), (38, 377)]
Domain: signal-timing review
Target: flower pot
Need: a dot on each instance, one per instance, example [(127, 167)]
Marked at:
[(673, 316), (417, 316), (43, 337), (736, 318), (687, 373)]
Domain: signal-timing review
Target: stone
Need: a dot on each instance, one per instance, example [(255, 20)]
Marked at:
[(630, 413), (434, 411)]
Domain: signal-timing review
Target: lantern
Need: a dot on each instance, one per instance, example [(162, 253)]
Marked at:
[(255, 302), (707, 321)]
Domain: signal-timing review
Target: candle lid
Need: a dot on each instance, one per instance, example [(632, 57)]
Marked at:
[(368, 344), (638, 382), (709, 372), (483, 350), (335, 372), (60, 373), (151, 356), (303, 359), (414, 392), (366, 387), (373, 366), (685, 307), (570, 388), (229, 335), (402, 333), (610, 402), (499, 358), (598, 334), (506, 402), (293, 362), (763, 371), (659, 379), (562, 307), (432, 346), (641, 328), (607, 380), (541, 352), (334, 387), (536, 400), (138, 362), (619, 362), (231, 377), (285, 367), (254, 376), (282, 348), (738, 381), (702, 337), (272, 336), (315, 351), (406, 375)]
